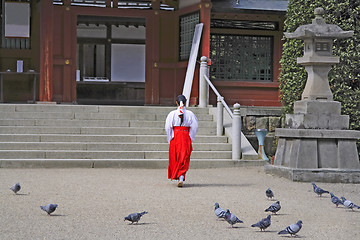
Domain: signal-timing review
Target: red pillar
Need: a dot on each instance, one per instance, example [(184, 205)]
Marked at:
[(152, 82), (46, 50), (205, 18), (205, 15), (69, 54)]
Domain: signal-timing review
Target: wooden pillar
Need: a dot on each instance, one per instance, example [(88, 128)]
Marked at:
[(152, 83), (69, 54), (108, 51), (115, 3), (205, 18), (81, 61), (155, 4), (46, 50), (205, 11)]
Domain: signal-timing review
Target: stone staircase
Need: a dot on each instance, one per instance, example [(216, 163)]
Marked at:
[(52, 135)]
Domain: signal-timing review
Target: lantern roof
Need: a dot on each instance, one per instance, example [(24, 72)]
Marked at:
[(319, 29)]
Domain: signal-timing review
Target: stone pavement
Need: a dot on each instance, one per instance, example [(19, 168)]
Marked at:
[(94, 202)]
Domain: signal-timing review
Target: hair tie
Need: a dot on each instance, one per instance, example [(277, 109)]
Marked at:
[(181, 111)]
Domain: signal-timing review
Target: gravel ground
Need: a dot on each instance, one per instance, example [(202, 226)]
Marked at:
[(93, 204)]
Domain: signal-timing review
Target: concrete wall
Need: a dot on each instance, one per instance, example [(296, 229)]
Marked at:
[(262, 118)]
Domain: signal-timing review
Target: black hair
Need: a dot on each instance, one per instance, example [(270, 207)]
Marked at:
[(181, 98), (178, 100)]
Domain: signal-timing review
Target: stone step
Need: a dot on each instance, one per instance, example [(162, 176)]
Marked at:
[(78, 154), (123, 163), (93, 130), (91, 123), (37, 135), (94, 116), (161, 124), (51, 108), (101, 138), (107, 146)]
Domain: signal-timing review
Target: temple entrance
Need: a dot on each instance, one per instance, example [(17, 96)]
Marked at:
[(110, 60)]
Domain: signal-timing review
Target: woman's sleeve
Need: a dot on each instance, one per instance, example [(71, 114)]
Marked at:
[(169, 127), (193, 127)]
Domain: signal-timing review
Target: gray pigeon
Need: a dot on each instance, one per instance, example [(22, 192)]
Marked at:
[(269, 193), (274, 208), (335, 200), (16, 188), (263, 223), (231, 218), (50, 208), (317, 190), (292, 229), (349, 204), (219, 212), (134, 217)]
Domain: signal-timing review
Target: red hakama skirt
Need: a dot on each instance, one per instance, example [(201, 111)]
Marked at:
[(179, 153)]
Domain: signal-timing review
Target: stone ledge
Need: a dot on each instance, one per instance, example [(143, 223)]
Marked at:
[(317, 121), (124, 163), (315, 175), (317, 133), (317, 107)]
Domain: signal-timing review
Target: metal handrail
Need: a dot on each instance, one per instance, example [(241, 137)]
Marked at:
[(219, 96)]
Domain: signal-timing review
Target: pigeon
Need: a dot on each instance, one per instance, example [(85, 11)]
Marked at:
[(349, 204), (50, 208), (263, 223), (318, 191), (269, 193), (134, 217), (292, 229), (16, 188), (231, 218), (274, 208), (219, 212), (335, 200)]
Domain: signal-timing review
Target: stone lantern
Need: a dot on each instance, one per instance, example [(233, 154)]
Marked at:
[(318, 59), (315, 144)]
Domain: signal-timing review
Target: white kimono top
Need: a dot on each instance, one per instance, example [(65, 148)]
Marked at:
[(173, 120)]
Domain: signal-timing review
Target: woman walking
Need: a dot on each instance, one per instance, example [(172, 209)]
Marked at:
[(181, 126)]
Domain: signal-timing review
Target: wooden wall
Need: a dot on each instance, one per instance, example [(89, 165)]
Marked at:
[(53, 54), (18, 88), (252, 93)]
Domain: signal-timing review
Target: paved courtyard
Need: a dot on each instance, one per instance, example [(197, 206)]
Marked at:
[(93, 204)]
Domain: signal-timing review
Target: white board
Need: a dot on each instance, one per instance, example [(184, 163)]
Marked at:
[(17, 19), (192, 62)]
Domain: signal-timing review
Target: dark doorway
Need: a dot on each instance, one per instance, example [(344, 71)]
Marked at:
[(110, 60)]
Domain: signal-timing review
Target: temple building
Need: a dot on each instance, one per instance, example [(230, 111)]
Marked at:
[(136, 52)]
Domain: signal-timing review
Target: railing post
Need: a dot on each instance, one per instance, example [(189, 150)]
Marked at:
[(203, 90), (236, 133), (220, 117)]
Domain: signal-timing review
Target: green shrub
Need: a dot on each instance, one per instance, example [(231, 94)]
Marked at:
[(344, 78)]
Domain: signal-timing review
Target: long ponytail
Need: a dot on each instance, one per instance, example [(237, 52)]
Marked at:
[(181, 115), (181, 100)]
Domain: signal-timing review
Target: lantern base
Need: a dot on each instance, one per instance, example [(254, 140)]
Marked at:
[(315, 175)]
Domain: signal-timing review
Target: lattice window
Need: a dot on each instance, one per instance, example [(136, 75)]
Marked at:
[(187, 29), (241, 24), (241, 58)]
